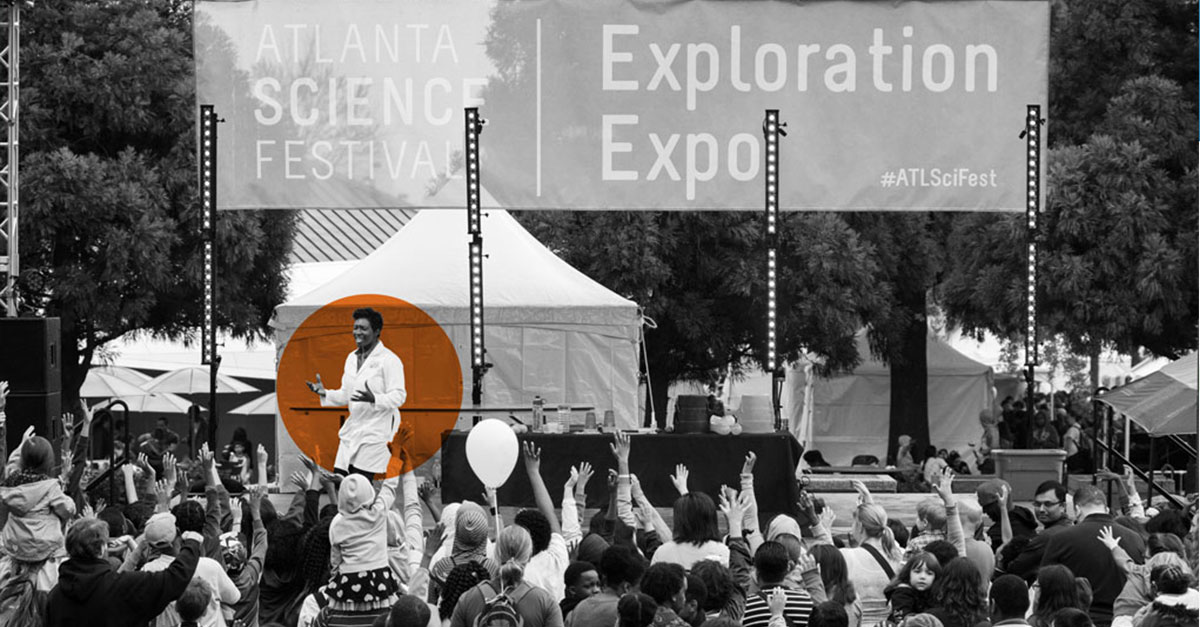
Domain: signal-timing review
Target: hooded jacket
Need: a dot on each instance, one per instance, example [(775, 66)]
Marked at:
[(34, 531), (358, 534), (90, 592), (1170, 610)]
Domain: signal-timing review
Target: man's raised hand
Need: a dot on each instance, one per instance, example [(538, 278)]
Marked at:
[(364, 395), (318, 387)]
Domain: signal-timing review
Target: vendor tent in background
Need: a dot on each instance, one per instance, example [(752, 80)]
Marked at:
[(550, 330), (1163, 402), (850, 413)]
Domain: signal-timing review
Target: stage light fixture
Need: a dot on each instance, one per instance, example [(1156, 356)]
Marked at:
[(772, 129), (771, 132), (479, 366), (1032, 205), (208, 205)]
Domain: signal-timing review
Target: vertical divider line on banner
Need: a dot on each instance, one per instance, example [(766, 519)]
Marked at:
[(479, 366), (1033, 162), (208, 211), (772, 130)]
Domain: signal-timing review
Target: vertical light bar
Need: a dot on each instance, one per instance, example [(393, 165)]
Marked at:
[(771, 200), (1033, 158), (474, 125), (208, 205), (772, 130)]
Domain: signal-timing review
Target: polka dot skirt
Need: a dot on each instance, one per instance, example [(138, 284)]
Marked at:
[(366, 590)]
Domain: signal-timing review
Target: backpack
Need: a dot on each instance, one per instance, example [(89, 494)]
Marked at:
[(21, 604), (501, 609)]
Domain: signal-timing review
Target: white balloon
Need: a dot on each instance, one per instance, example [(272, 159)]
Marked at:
[(492, 451)]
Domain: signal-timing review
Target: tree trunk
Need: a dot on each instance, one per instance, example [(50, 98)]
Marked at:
[(75, 364), (1094, 367), (909, 413)]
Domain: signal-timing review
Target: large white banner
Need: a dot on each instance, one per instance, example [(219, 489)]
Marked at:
[(615, 104)]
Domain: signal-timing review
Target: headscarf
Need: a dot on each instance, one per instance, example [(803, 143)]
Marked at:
[(782, 524)]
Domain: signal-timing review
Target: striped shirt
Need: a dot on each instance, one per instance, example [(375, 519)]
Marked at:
[(796, 612)]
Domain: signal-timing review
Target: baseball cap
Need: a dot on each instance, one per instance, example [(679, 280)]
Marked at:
[(160, 529)]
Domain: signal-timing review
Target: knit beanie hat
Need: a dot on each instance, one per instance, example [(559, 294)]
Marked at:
[(356, 492), (470, 526)]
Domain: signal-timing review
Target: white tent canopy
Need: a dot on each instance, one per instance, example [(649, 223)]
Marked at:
[(1164, 401), (550, 330), (850, 413)]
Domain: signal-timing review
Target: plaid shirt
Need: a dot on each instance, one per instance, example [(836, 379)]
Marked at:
[(918, 544)]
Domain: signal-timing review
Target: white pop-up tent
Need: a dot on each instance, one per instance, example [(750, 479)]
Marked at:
[(850, 413), (1164, 401), (551, 331)]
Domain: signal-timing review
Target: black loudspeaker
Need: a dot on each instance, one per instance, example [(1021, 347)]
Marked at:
[(41, 411), (30, 359)]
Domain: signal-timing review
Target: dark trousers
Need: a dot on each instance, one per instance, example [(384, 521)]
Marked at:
[(355, 470)]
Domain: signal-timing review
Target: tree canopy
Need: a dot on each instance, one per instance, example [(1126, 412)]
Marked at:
[(701, 277), (111, 238)]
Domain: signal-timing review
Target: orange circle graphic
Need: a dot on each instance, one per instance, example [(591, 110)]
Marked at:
[(432, 377)]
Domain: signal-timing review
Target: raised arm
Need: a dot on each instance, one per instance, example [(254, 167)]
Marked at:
[(130, 489), (864, 495), (258, 544), (80, 454), (647, 508), (570, 515), (620, 450), (954, 528), (750, 522), (430, 493), (1006, 533), (1124, 562), (261, 468), (822, 527), (541, 496)]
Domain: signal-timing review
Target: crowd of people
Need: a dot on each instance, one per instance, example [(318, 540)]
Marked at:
[(352, 551)]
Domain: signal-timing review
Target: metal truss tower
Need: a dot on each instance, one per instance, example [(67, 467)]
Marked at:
[(10, 266)]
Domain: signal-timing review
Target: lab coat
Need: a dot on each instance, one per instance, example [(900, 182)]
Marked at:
[(371, 426)]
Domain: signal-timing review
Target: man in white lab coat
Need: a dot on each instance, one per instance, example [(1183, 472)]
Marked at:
[(373, 387)]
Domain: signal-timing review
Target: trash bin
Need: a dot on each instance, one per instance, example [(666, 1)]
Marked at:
[(1025, 469)]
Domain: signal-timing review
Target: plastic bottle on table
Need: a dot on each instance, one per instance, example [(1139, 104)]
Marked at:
[(539, 406)]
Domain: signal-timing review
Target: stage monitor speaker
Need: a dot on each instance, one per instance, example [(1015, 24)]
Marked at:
[(30, 359), (41, 411)]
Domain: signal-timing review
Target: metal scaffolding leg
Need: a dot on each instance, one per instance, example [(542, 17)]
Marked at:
[(10, 265)]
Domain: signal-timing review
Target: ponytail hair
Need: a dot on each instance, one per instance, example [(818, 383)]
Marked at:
[(872, 520), (514, 547)]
